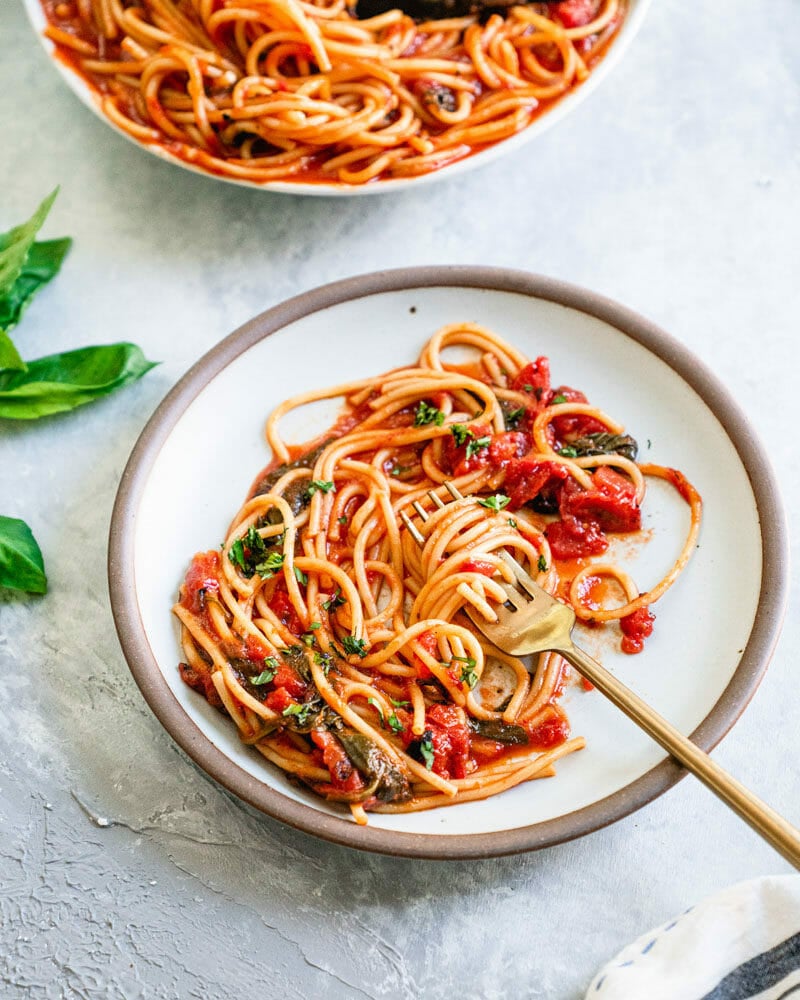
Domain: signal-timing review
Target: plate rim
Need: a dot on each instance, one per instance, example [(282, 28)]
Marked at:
[(727, 709), (561, 109)]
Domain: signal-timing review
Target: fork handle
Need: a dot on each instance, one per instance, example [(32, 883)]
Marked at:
[(776, 830)]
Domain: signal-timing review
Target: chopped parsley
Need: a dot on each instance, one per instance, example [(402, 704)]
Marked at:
[(426, 749), (300, 576), (568, 452), (343, 519), (321, 485), (268, 673), (541, 565), (527, 387), (354, 647), (401, 470), (400, 704), (512, 522), (560, 398), (308, 638), (427, 414), (497, 502), (377, 706)]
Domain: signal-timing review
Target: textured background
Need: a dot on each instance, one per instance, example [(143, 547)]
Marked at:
[(674, 189)]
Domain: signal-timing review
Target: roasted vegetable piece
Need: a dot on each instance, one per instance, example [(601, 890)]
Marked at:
[(500, 732), (296, 494), (606, 444), (385, 780)]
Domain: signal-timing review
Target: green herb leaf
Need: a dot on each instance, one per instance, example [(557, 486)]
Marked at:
[(426, 748), (15, 244), (527, 387), (247, 552), (567, 452), (401, 470), (323, 485), (270, 566), (473, 447), (377, 706), (497, 502), (334, 601), (9, 356), (268, 673), (301, 711), (354, 647), (60, 382), (469, 675), (323, 660), (560, 398), (514, 417), (395, 724), (41, 264), (512, 523), (343, 519), (541, 565), (461, 432), (21, 563), (300, 576), (400, 704), (427, 414)]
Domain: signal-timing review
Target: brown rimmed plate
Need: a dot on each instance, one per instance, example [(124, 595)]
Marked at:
[(716, 629)]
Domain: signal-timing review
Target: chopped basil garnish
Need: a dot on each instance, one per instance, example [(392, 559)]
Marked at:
[(395, 724), (560, 398), (300, 576), (377, 706), (512, 522), (427, 414), (497, 502), (426, 748), (334, 601), (323, 485), (541, 565), (354, 647), (302, 712), (460, 433), (268, 673), (567, 452), (474, 446), (514, 417)]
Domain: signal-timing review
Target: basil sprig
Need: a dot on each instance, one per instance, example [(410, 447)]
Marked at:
[(21, 563), (61, 382)]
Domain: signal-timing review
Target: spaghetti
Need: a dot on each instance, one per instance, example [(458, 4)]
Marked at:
[(338, 646), (301, 90)]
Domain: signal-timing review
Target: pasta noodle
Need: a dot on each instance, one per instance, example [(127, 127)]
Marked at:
[(338, 645), (302, 90)]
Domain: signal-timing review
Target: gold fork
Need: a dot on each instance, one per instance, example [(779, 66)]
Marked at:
[(533, 621)]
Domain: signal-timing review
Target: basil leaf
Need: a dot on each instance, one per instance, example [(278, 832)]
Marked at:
[(60, 382), (43, 263), (15, 244), (21, 563), (9, 357)]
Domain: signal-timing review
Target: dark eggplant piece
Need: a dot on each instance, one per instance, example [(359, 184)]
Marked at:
[(605, 443), (500, 732), (386, 781), (296, 494)]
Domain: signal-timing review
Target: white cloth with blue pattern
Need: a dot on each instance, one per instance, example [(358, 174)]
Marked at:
[(740, 944)]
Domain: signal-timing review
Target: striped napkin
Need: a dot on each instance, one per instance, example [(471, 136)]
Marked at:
[(740, 944)]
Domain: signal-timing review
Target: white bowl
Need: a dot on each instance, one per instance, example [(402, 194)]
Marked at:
[(630, 26)]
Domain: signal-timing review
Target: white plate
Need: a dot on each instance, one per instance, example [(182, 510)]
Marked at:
[(198, 456), (627, 32)]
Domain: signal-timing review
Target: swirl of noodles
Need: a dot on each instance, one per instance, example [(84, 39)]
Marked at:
[(265, 90), (338, 642)]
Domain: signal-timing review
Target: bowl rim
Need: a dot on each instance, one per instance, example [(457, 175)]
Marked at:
[(725, 712), (561, 109)]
